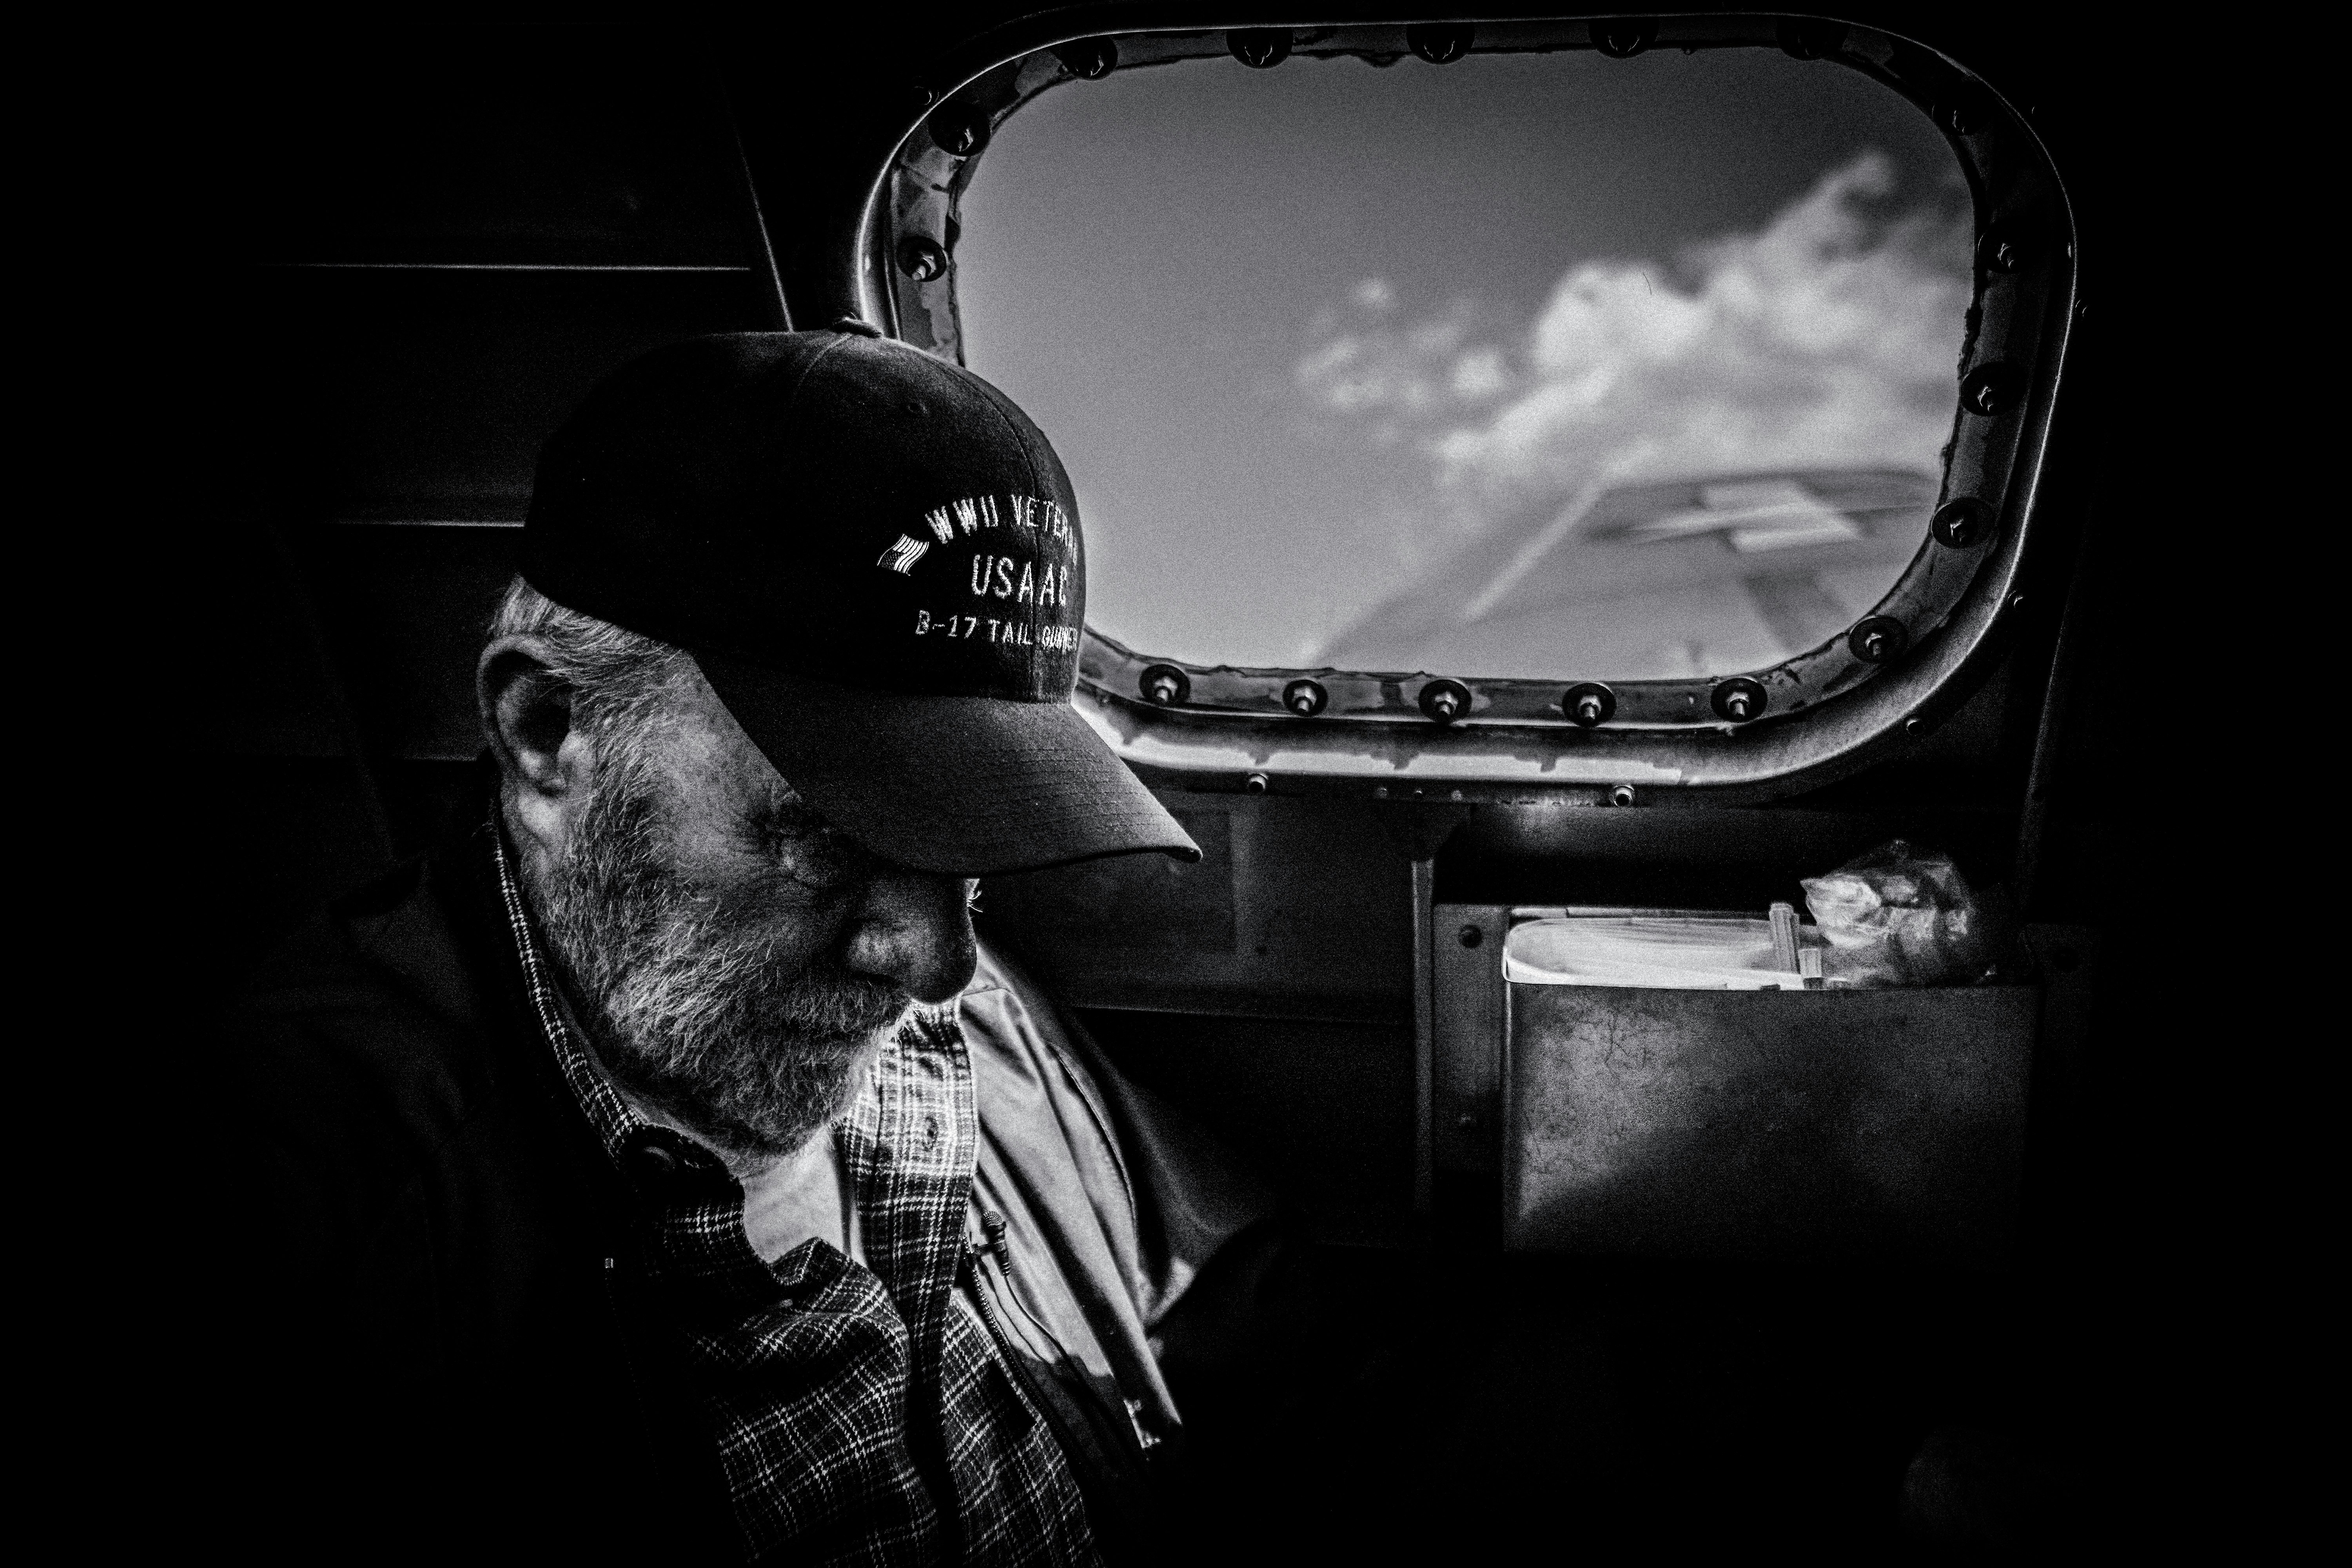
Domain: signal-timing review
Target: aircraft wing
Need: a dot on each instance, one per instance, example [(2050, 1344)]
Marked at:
[(1702, 577)]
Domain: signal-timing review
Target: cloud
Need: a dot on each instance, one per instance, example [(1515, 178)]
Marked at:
[(1829, 337), (1396, 379)]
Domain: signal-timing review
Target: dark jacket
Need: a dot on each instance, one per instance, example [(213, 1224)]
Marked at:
[(442, 1330)]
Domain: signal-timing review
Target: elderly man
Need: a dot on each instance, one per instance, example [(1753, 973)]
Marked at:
[(662, 1165)]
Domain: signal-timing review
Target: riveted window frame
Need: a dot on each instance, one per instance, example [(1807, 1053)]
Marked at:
[(1828, 712)]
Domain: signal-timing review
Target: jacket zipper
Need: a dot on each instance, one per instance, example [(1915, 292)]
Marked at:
[(1023, 1380), (1128, 1420), (993, 1223)]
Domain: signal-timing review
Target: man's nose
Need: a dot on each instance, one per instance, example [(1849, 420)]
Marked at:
[(914, 929)]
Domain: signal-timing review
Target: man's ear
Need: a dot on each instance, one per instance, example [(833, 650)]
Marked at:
[(527, 717)]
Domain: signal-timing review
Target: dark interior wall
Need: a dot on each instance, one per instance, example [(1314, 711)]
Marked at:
[(434, 242)]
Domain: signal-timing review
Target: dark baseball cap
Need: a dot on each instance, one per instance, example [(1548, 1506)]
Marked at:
[(875, 557)]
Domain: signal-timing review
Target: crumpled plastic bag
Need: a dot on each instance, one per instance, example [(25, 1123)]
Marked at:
[(1901, 915)]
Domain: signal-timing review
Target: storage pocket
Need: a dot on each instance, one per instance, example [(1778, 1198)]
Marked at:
[(1779, 1124)]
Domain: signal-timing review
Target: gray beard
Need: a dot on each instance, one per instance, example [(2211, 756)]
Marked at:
[(692, 1004)]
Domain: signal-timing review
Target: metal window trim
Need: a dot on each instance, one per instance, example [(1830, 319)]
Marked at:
[(1829, 713)]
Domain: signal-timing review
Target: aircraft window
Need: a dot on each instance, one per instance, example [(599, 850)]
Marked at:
[(1527, 366), (1581, 404)]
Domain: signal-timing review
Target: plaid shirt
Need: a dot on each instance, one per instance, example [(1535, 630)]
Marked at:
[(863, 1414)]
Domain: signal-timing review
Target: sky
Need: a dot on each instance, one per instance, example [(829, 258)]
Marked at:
[(1302, 335)]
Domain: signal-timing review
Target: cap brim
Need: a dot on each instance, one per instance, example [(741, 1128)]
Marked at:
[(968, 787)]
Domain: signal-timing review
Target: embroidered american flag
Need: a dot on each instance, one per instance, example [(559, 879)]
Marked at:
[(902, 556)]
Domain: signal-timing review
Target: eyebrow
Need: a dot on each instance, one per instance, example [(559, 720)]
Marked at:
[(785, 812), (787, 816)]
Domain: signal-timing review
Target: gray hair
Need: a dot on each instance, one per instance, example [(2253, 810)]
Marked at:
[(620, 680)]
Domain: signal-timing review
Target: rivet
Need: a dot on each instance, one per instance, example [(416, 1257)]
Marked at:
[(1623, 38), (1877, 639), (1444, 702), (1738, 699), (922, 258), (2016, 603), (1305, 697), (1164, 685), (1620, 794), (1965, 111), (1812, 40), (2002, 249), (1439, 43), (1589, 704), (1992, 389), (1914, 726), (1470, 935), (1379, 791), (1091, 58), (1962, 522), (1254, 784), (1260, 49), (1455, 795), (960, 131)]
